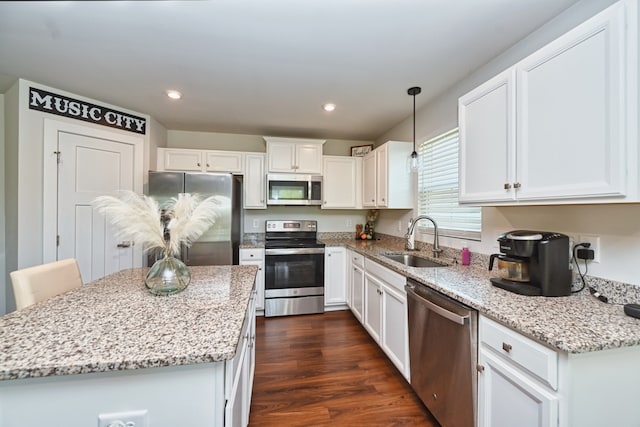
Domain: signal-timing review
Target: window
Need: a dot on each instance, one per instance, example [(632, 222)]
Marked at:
[(438, 189)]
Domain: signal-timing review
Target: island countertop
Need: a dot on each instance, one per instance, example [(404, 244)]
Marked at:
[(115, 324)]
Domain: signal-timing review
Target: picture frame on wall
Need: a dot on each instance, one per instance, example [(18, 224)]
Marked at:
[(361, 150)]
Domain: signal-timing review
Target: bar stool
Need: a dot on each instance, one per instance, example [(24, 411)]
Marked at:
[(35, 284)]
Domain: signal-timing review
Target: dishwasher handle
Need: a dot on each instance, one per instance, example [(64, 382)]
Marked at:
[(454, 317)]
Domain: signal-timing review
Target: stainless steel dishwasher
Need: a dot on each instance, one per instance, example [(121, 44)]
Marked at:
[(443, 355)]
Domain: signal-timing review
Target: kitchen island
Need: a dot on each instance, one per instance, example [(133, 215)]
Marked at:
[(111, 346)]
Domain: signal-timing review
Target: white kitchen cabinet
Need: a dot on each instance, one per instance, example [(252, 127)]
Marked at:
[(507, 397), (357, 286), (239, 374), (335, 277), (487, 132), (255, 256), (386, 181), (294, 155), (560, 124), (516, 379), (385, 313), (182, 159), (341, 186), (254, 184), (373, 306)]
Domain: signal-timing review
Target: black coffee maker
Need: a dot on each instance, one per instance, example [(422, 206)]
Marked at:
[(533, 263)]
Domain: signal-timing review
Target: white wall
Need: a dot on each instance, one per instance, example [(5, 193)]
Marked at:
[(617, 225), (242, 142), (328, 219), (24, 175)]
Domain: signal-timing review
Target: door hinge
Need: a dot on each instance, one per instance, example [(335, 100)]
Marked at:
[(57, 153), (58, 240)]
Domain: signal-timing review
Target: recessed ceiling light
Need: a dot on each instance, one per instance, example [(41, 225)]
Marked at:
[(174, 94), (329, 107)]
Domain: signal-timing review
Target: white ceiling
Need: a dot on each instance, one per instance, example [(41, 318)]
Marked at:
[(262, 66)]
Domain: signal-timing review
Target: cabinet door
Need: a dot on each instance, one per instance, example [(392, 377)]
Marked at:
[(254, 182), (571, 105), (372, 306), (281, 157), (255, 257), (382, 176), (220, 161), (183, 160), (308, 158), (395, 329), (339, 181), (369, 180), (507, 397), (335, 276), (357, 292), (487, 140)]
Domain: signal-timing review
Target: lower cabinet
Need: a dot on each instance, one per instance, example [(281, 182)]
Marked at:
[(356, 279), (385, 313), (239, 373), (335, 277), (255, 256)]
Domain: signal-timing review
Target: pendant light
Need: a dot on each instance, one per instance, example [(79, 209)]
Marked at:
[(413, 158)]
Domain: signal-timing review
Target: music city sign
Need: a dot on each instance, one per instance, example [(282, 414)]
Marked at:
[(48, 102)]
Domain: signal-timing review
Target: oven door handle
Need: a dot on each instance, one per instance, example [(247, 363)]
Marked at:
[(294, 251)]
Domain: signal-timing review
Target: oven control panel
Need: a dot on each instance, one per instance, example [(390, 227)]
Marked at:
[(290, 225)]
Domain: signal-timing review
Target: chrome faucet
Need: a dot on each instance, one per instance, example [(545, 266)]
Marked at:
[(409, 236)]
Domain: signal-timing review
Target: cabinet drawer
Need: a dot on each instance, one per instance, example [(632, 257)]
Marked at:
[(251, 254), (357, 259), (540, 361), (390, 277)]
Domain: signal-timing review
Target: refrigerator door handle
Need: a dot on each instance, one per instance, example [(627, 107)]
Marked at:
[(124, 244)]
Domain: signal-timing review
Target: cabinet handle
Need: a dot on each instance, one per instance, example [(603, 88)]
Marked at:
[(506, 347), (251, 255), (479, 368), (198, 164), (207, 164), (507, 186), (516, 185)]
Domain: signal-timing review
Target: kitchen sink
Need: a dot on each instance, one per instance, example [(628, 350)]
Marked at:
[(413, 261)]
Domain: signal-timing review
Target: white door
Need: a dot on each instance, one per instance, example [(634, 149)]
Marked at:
[(90, 167)]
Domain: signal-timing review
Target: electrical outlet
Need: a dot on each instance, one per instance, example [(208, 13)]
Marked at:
[(124, 419), (400, 225), (349, 223), (595, 244), (255, 224)]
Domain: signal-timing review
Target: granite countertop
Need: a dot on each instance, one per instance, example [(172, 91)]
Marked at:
[(575, 324), (115, 324)]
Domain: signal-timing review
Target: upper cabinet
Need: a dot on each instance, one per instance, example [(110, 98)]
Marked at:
[(254, 182), (341, 182), (181, 159), (386, 181), (560, 126), (294, 155)]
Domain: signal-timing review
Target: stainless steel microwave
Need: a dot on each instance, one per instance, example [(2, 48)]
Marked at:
[(294, 189)]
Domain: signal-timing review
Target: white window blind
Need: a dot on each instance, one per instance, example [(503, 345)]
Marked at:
[(438, 189)]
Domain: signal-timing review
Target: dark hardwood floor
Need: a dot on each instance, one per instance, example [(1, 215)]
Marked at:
[(324, 369)]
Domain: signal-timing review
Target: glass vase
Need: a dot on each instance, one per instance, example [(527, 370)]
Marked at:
[(167, 276)]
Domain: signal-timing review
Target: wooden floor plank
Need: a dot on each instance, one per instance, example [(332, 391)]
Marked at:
[(324, 369)]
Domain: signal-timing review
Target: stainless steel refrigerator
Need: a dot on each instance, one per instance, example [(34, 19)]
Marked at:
[(220, 244)]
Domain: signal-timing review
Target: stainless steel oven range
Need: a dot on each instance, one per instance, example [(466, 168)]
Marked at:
[(294, 268)]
